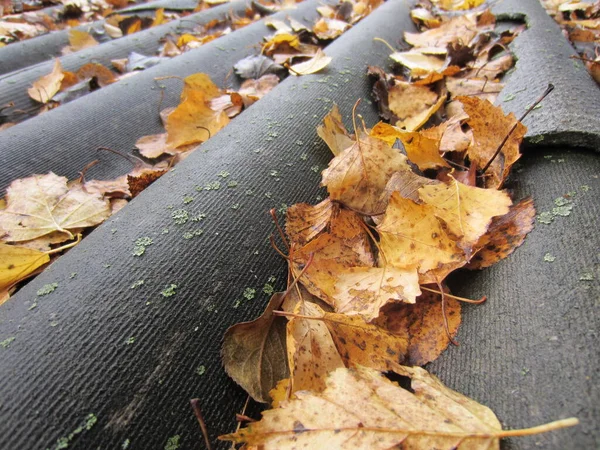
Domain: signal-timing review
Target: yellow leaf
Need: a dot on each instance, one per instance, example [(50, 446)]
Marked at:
[(193, 121), (411, 235), (78, 40), (457, 5), (466, 210), (42, 204), (18, 263), (47, 86), (361, 409), (313, 65), (334, 133), (420, 149), (357, 177), (364, 291), (280, 41), (461, 28), (159, 17), (185, 39)]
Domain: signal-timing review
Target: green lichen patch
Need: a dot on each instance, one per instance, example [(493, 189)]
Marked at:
[(545, 217), (47, 289), (232, 184), (187, 199), (587, 276), (65, 441), (169, 290), (73, 275), (509, 98), (249, 293), (223, 174), (180, 216), (125, 444), (173, 442), (140, 245), (137, 284), (548, 257), (235, 206), (130, 340), (201, 370), (212, 186), (268, 288), (6, 342), (584, 188), (315, 169), (561, 201), (562, 211)]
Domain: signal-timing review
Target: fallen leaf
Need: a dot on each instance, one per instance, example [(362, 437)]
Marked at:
[(364, 291), (360, 409), (193, 121), (457, 5), (461, 28), (423, 325), (328, 29), (490, 126), (334, 133), (98, 71), (466, 210), (138, 182), (17, 264), (153, 145), (47, 86), (253, 90), (425, 17), (483, 88), (79, 40), (304, 222), (317, 63), (504, 235), (346, 244), (42, 204), (420, 149), (159, 17), (418, 63), (281, 43), (312, 353), (254, 353), (357, 177), (412, 236), (407, 184), (256, 66), (408, 101)]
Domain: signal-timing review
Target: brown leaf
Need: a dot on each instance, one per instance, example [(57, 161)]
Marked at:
[(98, 71), (346, 244), (365, 344), (253, 90), (254, 353), (17, 264), (42, 204), (47, 86), (504, 235), (466, 210), (412, 236), (357, 177), (334, 133), (153, 145), (423, 325), (328, 29), (490, 126), (139, 181), (311, 351), (304, 222), (409, 103), (461, 28), (407, 184)]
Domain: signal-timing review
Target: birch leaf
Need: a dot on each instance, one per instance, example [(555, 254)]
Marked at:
[(47, 86)]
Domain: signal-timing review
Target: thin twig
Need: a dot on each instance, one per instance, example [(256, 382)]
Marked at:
[(196, 407)]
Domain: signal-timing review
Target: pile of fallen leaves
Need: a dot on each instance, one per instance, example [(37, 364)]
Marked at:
[(45, 214), (580, 22), (367, 266)]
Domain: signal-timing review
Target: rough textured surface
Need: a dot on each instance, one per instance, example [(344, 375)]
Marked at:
[(530, 353), (21, 55), (570, 115), (70, 357), (14, 85)]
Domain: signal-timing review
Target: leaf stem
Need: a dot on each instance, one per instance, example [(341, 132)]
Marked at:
[(460, 299)]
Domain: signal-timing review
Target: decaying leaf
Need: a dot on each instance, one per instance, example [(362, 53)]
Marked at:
[(317, 63), (79, 40), (43, 204), (334, 133), (466, 210), (504, 235), (254, 353), (420, 148), (304, 222), (357, 177), (362, 409), (412, 236), (311, 351), (423, 325), (365, 290), (490, 126), (17, 264), (47, 86)]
